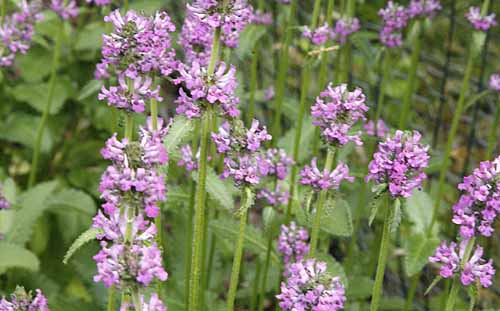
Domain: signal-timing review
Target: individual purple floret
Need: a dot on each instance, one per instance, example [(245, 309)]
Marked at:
[(423, 8), (269, 93), (324, 180), (475, 268), (243, 169), (494, 82), (399, 163), (137, 45), (65, 9), (275, 162), (113, 227), (345, 27), (274, 198), (262, 18), (480, 22), (4, 204), (232, 18), (382, 129), (293, 243), (394, 19), (479, 205), (236, 138), (131, 97), (154, 304), (218, 89), (310, 287), (188, 160), (317, 36), (17, 30), (336, 110), (21, 300)]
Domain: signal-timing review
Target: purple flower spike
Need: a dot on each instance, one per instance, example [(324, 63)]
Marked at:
[(65, 9), (274, 198), (475, 269), (344, 28), (394, 19), (336, 110), (243, 170), (323, 180), (22, 300), (275, 162), (309, 287), (382, 129), (494, 82), (256, 135), (479, 205), (293, 244), (399, 163), (154, 304), (187, 160), (317, 36), (479, 22), (423, 8)]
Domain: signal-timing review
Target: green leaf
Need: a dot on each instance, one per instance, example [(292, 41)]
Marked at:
[(255, 242), (9, 190), (375, 204), (337, 219), (474, 99), (35, 64), (287, 141), (15, 256), (395, 220), (33, 204), (361, 290), (333, 267), (22, 128), (434, 283), (418, 249), (419, 210), (180, 129), (90, 37), (92, 87), (478, 37), (249, 36), (36, 95), (221, 191), (74, 200), (83, 239)]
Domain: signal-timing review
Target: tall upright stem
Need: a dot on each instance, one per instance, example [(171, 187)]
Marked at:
[(48, 105), (493, 131), (136, 298), (238, 252), (111, 298), (282, 71), (255, 289), (455, 287), (412, 77), (4, 9), (267, 263), (319, 209), (382, 258), (253, 83)]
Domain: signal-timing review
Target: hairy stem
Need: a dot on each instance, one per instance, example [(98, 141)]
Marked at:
[(319, 209), (48, 105), (382, 259), (493, 131)]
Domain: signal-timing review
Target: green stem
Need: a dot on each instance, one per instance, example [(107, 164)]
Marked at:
[(315, 14), (411, 292), (111, 298), (196, 261), (381, 94), (493, 131), (472, 303), (451, 137), (282, 72), (238, 252), (125, 5), (48, 105), (319, 210), (215, 52), (125, 301), (455, 287), (267, 263), (136, 298), (129, 127), (4, 9), (412, 77), (255, 288), (253, 83), (382, 259)]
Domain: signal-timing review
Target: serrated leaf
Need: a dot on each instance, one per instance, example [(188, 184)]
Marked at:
[(181, 127), (337, 218), (83, 239), (375, 204), (249, 36), (220, 191), (15, 256), (74, 200), (418, 249), (33, 204), (255, 242), (395, 220)]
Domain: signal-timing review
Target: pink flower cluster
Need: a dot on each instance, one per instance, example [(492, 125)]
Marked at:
[(154, 304), (479, 205), (394, 19), (217, 89), (293, 244), (17, 30), (274, 197), (480, 22), (22, 300), (262, 18), (382, 128), (188, 160), (65, 9), (138, 45), (310, 287), (133, 175), (317, 36), (336, 110), (274, 163), (423, 8), (344, 28), (239, 146), (399, 163), (494, 82), (475, 268), (4, 204), (324, 180)]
